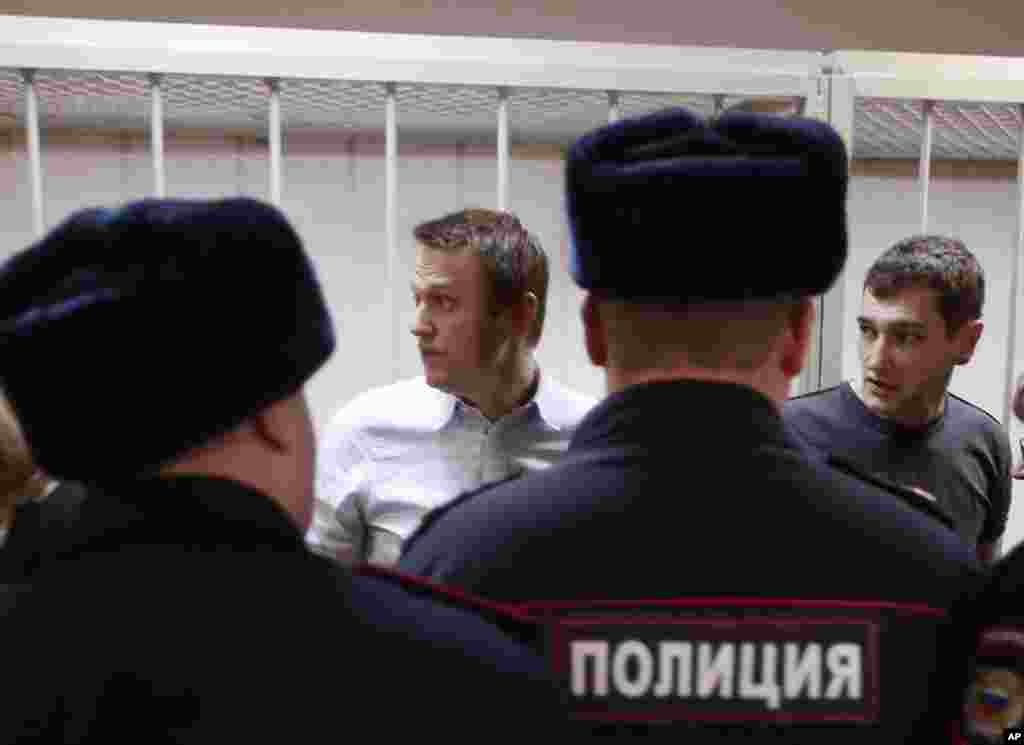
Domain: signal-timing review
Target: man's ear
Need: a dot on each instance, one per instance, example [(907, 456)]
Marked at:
[(517, 319), (525, 314), (594, 335), (796, 337), (967, 339)]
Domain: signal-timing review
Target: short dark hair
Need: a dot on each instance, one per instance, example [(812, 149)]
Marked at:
[(933, 262), (513, 257)]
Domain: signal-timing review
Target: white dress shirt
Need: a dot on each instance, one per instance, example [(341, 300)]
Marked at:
[(394, 453)]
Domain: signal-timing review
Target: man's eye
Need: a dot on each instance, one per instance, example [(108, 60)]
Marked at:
[(867, 332)]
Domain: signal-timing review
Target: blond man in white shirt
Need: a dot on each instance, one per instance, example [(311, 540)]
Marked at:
[(482, 412)]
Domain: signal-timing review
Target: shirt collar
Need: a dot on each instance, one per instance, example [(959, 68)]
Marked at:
[(546, 402), (890, 427)]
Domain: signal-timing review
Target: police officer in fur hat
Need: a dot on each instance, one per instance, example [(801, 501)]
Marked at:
[(157, 353), (990, 650), (697, 570)]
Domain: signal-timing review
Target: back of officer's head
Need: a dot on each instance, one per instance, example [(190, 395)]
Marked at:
[(700, 243), (167, 335)]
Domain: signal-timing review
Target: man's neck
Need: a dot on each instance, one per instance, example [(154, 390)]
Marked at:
[(617, 379), (516, 387), (918, 416), (7, 516)]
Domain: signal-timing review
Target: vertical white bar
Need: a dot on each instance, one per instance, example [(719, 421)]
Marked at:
[(274, 137), (815, 104), (34, 151), (613, 107), (391, 218), (1016, 302), (834, 324), (926, 161), (503, 148), (156, 134)]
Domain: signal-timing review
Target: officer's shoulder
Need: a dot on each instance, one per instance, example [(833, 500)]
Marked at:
[(516, 624), (566, 406), (813, 416), (465, 498), (492, 644), (811, 398), (917, 501), (973, 409)]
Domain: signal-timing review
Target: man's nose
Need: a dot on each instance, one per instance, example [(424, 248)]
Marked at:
[(420, 325), (876, 353)]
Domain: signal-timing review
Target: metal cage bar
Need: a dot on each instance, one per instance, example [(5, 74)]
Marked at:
[(1016, 301), (503, 149), (274, 139), (156, 134), (391, 215), (925, 168), (34, 151), (614, 114)]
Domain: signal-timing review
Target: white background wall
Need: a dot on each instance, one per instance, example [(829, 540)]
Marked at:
[(334, 193)]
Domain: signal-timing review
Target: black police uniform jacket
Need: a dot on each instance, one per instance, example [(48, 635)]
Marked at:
[(188, 610), (41, 527), (698, 569), (991, 634)]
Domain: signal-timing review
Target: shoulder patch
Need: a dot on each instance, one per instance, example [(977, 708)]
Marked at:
[(975, 407), (915, 499)]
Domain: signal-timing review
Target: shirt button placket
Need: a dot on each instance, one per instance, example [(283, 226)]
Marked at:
[(482, 452), (498, 458)]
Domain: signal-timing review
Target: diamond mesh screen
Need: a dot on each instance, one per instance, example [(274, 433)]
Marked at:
[(883, 128), (886, 128)]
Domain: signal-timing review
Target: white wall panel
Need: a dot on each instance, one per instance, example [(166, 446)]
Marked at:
[(561, 349), (16, 205)]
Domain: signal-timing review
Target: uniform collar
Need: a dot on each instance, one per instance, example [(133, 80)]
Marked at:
[(186, 509), (664, 413)]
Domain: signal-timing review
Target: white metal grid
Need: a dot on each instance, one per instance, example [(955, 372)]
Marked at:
[(96, 100), (883, 128), (894, 128)]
